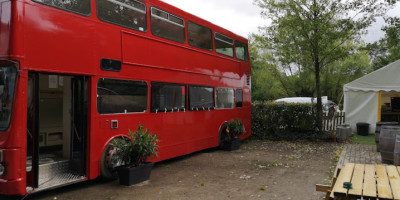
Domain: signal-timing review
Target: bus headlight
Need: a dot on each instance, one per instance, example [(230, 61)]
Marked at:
[(2, 169)]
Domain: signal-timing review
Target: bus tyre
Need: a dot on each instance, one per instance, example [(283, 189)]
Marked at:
[(109, 163), (222, 135)]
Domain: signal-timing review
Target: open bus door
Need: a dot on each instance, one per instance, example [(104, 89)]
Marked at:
[(79, 124), (32, 135), (56, 130)]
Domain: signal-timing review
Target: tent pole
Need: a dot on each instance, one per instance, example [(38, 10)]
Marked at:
[(379, 105)]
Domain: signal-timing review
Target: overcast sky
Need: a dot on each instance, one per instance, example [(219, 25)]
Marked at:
[(243, 17)]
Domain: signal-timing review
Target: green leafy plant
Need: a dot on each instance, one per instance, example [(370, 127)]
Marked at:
[(137, 148), (236, 128)]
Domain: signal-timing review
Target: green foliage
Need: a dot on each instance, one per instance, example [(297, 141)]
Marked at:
[(386, 50), (236, 128), (367, 140), (266, 80), (309, 35), (137, 148), (289, 121), (335, 76)]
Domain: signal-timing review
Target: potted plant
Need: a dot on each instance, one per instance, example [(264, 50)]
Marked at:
[(133, 153), (234, 129)]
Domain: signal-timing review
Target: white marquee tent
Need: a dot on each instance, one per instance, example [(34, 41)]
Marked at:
[(362, 97)]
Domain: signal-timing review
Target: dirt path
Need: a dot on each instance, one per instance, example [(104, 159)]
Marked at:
[(259, 170)]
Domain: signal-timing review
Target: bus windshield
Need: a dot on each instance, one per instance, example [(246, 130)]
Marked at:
[(7, 86)]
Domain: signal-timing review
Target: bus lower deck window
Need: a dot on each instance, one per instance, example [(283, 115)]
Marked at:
[(225, 98), (201, 97), (166, 97), (239, 98), (116, 96)]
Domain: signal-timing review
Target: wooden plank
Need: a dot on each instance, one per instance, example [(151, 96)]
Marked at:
[(322, 188), (357, 181), (333, 123), (394, 179), (345, 176), (369, 188), (344, 117), (384, 190), (398, 169), (336, 121)]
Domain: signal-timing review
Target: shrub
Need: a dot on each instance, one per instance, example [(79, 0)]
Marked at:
[(289, 121), (137, 148), (236, 128)]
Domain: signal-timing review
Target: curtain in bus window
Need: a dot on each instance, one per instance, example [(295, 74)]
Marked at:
[(78, 6), (239, 98), (167, 26), (7, 86), (167, 97), (127, 13), (241, 51), (201, 98), (121, 96), (200, 36), (223, 45), (225, 97)]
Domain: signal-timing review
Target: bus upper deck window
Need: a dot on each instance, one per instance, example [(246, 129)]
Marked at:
[(223, 45), (129, 14), (241, 50), (81, 7), (200, 36), (168, 26)]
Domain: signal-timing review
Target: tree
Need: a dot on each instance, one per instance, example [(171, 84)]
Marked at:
[(335, 76), (387, 49), (265, 84), (313, 34)]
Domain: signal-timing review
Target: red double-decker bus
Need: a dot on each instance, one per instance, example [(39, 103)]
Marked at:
[(76, 74)]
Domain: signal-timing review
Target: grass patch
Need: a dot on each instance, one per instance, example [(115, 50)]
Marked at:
[(368, 140)]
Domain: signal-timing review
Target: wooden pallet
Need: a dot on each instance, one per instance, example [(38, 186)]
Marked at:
[(368, 182)]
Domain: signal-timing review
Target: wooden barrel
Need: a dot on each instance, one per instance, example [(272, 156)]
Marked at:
[(396, 157), (387, 141), (378, 131)]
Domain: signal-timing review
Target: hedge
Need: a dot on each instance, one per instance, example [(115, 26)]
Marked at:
[(289, 121)]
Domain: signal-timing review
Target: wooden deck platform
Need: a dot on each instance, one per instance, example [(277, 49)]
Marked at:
[(368, 182)]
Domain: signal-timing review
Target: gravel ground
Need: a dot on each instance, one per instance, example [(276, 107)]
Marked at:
[(259, 170)]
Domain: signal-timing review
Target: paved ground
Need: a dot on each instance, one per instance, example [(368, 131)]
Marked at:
[(356, 153), (259, 170)]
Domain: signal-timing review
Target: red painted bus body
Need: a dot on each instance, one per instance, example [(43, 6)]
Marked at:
[(48, 49)]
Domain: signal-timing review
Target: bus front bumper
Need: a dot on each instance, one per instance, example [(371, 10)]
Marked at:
[(11, 180)]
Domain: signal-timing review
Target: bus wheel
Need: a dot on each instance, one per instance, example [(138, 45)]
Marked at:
[(223, 135), (108, 163)]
